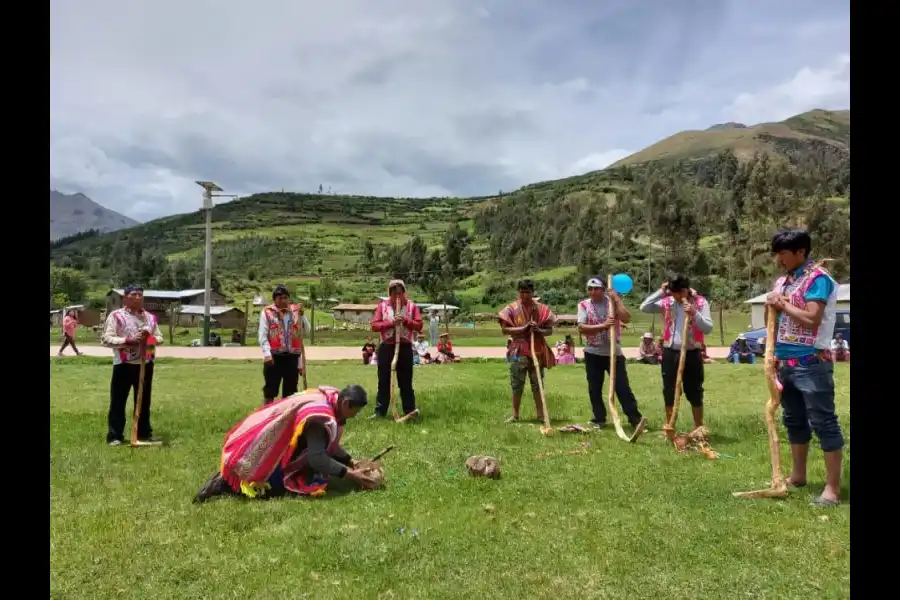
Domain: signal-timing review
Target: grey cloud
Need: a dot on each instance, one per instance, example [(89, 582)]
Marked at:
[(415, 98)]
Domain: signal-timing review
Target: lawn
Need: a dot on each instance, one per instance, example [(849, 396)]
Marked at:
[(613, 521)]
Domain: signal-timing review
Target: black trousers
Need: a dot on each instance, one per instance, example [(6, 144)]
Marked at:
[(68, 341), (282, 373), (125, 379), (595, 368), (404, 378), (691, 379)]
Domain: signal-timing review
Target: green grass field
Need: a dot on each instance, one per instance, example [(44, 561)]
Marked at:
[(614, 521)]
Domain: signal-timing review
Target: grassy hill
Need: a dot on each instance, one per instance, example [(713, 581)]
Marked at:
[(810, 131), (637, 220)]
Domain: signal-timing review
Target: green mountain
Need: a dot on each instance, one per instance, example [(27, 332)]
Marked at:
[(702, 202), (814, 131)]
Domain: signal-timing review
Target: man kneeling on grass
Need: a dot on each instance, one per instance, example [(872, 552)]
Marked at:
[(292, 445)]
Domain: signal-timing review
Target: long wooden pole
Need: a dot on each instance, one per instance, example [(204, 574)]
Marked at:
[(139, 398), (394, 360), (611, 332), (778, 486), (302, 356), (670, 426), (537, 371)]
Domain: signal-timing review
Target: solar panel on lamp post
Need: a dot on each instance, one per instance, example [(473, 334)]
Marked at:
[(208, 188)]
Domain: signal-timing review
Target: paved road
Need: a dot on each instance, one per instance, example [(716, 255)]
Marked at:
[(324, 352)]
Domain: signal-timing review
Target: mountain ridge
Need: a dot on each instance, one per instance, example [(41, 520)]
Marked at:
[(71, 214)]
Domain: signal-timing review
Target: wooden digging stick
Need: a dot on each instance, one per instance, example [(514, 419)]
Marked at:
[(378, 456), (394, 361), (302, 355), (546, 429), (670, 426), (613, 356), (778, 486), (139, 401)]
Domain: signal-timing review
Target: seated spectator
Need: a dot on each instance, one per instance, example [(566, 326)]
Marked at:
[(421, 355), (740, 352), (445, 350), (647, 353), (659, 349), (368, 351), (565, 351), (840, 349)]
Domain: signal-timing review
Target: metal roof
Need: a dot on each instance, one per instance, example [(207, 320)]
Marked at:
[(165, 294), (192, 309), (358, 307), (843, 295)]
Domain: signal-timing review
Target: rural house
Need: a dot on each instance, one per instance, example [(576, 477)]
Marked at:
[(159, 301), (354, 313), (226, 317), (87, 317)]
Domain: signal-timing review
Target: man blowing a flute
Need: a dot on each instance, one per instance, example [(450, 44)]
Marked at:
[(518, 320), (391, 323), (282, 326), (595, 321), (677, 301), (127, 330), (805, 297), (293, 445)]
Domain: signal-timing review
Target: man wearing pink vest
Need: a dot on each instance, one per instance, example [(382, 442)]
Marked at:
[(596, 323), (127, 330), (281, 329), (393, 326), (675, 300), (806, 298)]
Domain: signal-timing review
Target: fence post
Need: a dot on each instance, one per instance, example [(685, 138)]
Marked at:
[(246, 322)]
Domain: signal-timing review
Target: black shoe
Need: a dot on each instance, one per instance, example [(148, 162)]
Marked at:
[(598, 424), (376, 415), (215, 486)]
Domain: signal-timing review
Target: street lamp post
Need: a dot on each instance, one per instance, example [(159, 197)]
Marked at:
[(208, 188)]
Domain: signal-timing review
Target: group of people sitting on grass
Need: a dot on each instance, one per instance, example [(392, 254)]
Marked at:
[(421, 351)]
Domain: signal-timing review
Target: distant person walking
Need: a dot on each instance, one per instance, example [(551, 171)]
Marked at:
[(127, 331), (434, 324), (280, 336), (70, 323)]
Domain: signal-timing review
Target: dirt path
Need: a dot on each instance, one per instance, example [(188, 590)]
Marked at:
[(325, 352)]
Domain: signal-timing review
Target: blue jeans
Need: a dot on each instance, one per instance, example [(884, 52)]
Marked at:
[(808, 404), (736, 358)]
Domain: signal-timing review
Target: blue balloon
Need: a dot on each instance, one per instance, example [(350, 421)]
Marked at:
[(622, 283)]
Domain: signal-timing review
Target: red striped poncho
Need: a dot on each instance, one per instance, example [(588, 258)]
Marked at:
[(268, 438)]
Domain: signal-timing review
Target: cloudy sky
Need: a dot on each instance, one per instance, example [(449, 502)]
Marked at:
[(416, 98)]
